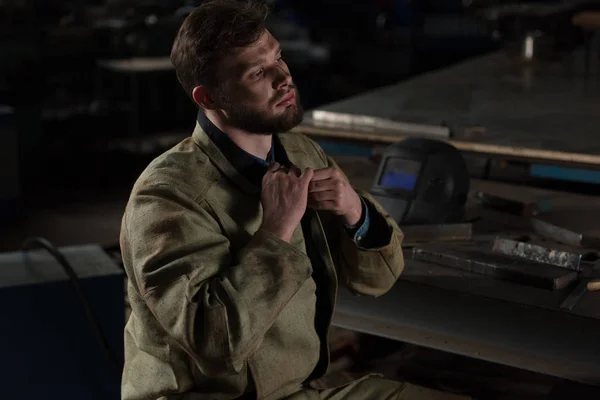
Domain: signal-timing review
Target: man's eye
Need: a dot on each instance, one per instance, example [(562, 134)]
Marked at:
[(257, 73), (278, 59)]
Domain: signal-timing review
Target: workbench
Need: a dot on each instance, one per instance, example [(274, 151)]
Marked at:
[(547, 112), (481, 317)]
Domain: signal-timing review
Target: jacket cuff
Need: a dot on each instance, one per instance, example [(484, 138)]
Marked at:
[(358, 231), (378, 233)]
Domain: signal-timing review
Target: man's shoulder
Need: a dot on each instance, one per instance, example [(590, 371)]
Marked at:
[(184, 169)]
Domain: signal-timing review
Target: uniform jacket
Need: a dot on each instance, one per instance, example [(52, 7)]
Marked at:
[(221, 309)]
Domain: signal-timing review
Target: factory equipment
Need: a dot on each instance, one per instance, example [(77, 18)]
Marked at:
[(63, 320)]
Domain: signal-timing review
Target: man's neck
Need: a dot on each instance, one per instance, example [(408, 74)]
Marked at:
[(256, 144)]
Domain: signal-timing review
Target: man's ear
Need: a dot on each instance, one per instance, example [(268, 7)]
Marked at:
[(203, 98)]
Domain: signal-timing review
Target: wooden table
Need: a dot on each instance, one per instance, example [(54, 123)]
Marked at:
[(495, 106), (484, 318)]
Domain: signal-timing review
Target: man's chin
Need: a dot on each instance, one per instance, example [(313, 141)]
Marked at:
[(293, 119), (284, 122), (265, 124)]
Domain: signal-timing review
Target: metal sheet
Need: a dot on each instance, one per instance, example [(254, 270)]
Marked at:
[(321, 118), (554, 343), (542, 109), (540, 254)]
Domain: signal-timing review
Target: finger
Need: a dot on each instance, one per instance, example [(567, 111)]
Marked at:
[(328, 195), (312, 204), (335, 184), (324, 205), (268, 176), (320, 186), (324, 173), (307, 175), (274, 166), (294, 170)]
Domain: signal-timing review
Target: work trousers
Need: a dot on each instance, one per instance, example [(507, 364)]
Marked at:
[(377, 388)]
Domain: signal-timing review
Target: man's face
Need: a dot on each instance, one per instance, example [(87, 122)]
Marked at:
[(257, 93)]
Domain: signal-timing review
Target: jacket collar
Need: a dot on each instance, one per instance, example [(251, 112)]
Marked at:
[(243, 168)]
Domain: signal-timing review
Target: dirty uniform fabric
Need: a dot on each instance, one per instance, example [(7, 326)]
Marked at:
[(253, 169), (221, 309), (376, 388)]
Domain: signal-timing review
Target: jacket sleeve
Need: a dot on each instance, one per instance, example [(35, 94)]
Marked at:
[(365, 234), (215, 307), (371, 269), (366, 270)]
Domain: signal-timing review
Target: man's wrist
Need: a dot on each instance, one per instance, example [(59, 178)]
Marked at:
[(281, 233), (353, 218)]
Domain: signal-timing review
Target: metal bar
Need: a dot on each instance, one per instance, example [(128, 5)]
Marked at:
[(539, 254), (556, 233), (525, 209), (334, 119), (542, 229), (498, 266), (321, 129), (576, 295), (437, 232)]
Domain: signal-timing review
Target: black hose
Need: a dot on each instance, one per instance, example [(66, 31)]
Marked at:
[(38, 242)]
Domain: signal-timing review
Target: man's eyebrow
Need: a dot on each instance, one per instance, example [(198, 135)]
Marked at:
[(244, 67)]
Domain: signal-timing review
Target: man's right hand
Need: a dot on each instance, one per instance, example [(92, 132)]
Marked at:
[(284, 197)]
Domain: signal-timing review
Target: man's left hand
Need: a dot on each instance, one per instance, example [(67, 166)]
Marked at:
[(329, 190)]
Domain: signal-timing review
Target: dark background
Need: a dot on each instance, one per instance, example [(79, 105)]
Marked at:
[(74, 118), (67, 125)]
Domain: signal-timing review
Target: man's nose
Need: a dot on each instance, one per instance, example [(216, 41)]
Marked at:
[(281, 78)]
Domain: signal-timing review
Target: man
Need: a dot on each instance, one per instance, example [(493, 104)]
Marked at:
[(234, 240)]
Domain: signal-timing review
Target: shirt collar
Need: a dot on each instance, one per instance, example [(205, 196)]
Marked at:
[(251, 167)]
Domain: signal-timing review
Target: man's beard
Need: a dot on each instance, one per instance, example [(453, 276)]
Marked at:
[(261, 122)]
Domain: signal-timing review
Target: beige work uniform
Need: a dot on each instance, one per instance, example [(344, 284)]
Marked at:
[(220, 306)]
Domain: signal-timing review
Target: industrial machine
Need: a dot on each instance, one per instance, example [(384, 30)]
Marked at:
[(422, 181), (63, 320)]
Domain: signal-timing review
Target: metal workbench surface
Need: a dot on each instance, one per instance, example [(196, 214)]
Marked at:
[(481, 317), (546, 106)]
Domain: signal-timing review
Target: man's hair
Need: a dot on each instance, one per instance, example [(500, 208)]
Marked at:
[(208, 33)]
